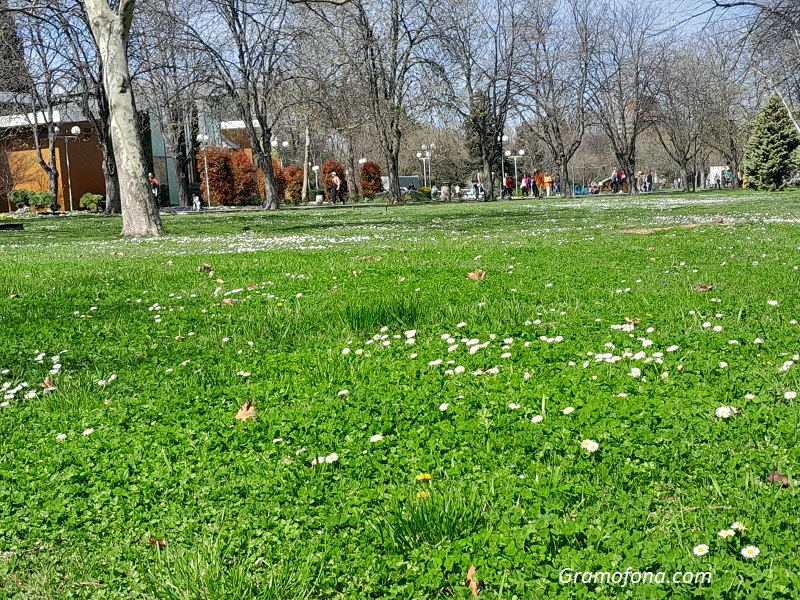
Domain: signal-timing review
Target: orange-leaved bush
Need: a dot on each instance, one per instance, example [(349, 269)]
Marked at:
[(294, 183), (371, 178), (230, 176)]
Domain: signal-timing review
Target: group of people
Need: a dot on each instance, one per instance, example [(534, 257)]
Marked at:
[(726, 179), (538, 184), (541, 184)]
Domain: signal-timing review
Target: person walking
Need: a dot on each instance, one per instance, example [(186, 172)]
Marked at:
[(336, 186), (153, 186), (508, 186), (538, 183), (548, 184), (524, 184)]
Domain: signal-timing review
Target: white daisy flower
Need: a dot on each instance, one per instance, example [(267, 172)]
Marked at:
[(700, 550), (750, 551), (738, 526), (790, 395), (376, 438), (726, 533), (343, 392), (537, 419), (444, 406), (724, 412), (89, 431), (590, 446), (568, 410), (61, 437), (513, 406)]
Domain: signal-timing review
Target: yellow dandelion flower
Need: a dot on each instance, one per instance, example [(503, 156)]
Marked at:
[(423, 494), (424, 477)]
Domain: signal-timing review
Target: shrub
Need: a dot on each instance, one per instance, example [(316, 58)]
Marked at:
[(90, 201), (425, 191), (30, 198), (20, 197), (371, 183), (294, 183), (231, 176)]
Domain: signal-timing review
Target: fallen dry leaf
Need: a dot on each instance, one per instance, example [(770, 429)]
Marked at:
[(13, 295), (157, 543), (635, 320), (472, 582), (219, 280), (48, 383), (168, 263), (252, 286), (205, 267), (246, 411), (778, 477), (477, 275), (229, 301), (703, 287)]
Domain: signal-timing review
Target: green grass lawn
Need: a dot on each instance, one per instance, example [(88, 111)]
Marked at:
[(410, 422)]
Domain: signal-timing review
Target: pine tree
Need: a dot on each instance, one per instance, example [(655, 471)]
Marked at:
[(768, 152)]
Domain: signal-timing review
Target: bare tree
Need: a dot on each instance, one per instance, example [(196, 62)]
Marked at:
[(248, 44), (43, 92), (558, 67), (382, 43), (631, 57), (683, 107), (171, 75), (480, 59), (110, 24)]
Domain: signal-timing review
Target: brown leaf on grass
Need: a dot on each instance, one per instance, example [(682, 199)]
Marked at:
[(703, 287), (247, 411), (48, 383), (229, 301), (252, 286), (13, 296), (635, 320), (778, 477), (157, 543), (472, 582), (219, 280), (477, 275), (205, 267), (168, 263)]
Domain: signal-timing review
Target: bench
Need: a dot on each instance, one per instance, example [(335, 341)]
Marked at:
[(11, 226)]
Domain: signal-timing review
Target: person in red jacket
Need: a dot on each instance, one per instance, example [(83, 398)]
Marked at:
[(508, 186)]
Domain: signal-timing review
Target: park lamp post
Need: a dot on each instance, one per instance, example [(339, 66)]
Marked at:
[(75, 133), (315, 168), (361, 163), (204, 139), (422, 158), (284, 145), (515, 158), (501, 139)]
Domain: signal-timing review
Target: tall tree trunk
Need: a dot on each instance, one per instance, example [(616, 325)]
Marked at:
[(110, 176), (264, 164), (306, 162), (173, 134), (52, 176), (393, 165), (111, 32), (684, 171)]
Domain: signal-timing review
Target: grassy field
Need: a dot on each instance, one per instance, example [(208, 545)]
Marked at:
[(583, 407)]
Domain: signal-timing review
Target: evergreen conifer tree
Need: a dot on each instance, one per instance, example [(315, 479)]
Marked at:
[(768, 152)]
